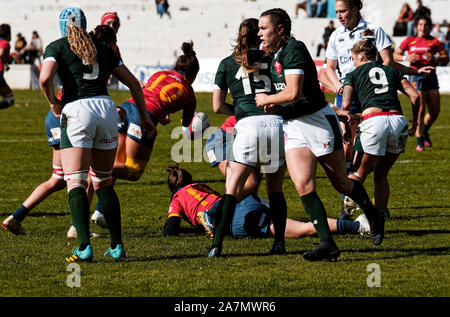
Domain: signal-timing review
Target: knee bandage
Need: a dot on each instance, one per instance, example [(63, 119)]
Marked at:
[(58, 172), (97, 176), (135, 168), (80, 178)]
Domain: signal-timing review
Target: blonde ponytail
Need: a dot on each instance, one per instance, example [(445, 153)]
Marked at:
[(82, 45)]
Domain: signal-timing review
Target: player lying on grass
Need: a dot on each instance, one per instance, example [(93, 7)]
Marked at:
[(197, 203)]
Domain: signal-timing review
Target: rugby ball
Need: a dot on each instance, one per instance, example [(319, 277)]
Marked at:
[(198, 125)]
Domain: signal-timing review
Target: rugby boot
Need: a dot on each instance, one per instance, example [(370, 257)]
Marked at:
[(326, 250)]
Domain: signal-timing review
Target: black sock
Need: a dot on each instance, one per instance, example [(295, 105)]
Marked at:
[(111, 210), (420, 141), (278, 207), (359, 195), (225, 212), (317, 214), (4, 104), (426, 128)]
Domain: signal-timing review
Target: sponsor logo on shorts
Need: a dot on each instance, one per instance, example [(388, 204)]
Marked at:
[(326, 145), (135, 130), (211, 156), (110, 140), (56, 133), (397, 147)]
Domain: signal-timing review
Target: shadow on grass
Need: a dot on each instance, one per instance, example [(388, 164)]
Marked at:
[(397, 253), (203, 255), (394, 254), (41, 214), (421, 207), (418, 233)]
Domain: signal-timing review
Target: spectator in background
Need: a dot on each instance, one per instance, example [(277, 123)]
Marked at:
[(438, 33), (317, 8), (162, 7), (301, 4), (19, 47), (20, 44), (447, 39), (406, 15), (420, 11), (5, 91), (326, 36), (34, 50)]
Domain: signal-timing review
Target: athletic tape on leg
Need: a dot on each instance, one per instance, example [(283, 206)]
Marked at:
[(78, 175), (58, 172), (98, 176)]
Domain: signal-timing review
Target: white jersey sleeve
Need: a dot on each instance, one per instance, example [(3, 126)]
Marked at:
[(381, 38), (331, 52)]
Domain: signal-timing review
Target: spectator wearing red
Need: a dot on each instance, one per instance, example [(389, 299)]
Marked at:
[(5, 59)]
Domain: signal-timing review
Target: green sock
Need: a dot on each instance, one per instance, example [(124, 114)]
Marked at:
[(111, 210), (225, 211), (316, 211), (79, 209)]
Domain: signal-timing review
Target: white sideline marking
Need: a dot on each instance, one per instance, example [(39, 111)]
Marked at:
[(408, 161), (22, 140)]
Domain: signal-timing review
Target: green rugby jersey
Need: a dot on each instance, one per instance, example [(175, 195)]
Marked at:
[(375, 86), (294, 58), (243, 86), (79, 80)]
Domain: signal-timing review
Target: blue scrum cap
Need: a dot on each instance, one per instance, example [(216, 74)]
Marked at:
[(71, 15)]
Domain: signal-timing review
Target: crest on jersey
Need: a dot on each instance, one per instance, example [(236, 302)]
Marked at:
[(277, 67)]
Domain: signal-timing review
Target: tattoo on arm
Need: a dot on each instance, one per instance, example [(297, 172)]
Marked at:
[(347, 97)]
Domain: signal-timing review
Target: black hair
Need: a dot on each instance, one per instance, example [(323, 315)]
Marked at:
[(178, 177), (188, 62), (5, 31)]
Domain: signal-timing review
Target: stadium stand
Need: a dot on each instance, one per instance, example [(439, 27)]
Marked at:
[(146, 39)]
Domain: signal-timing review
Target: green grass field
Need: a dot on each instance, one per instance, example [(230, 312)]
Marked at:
[(414, 259)]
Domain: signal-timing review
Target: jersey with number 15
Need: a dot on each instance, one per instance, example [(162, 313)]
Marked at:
[(375, 85), (80, 80), (243, 85), (168, 92)]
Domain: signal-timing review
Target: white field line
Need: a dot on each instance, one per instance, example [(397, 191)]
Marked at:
[(23, 140)]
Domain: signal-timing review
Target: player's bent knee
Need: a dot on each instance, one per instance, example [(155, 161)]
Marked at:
[(135, 168)]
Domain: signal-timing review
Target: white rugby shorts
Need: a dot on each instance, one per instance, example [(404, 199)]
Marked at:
[(384, 133), (319, 131), (259, 140), (90, 123)]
